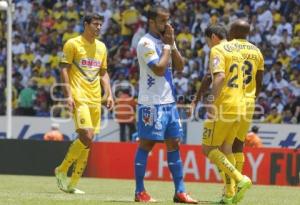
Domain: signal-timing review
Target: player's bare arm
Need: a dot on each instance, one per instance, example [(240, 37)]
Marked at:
[(168, 39), (217, 84), (66, 87), (206, 81), (259, 78), (105, 82)]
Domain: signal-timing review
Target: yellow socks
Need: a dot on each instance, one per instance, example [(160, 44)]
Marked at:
[(230, 183), (240, 160), (79, 167), (72, 155), (217, 157)]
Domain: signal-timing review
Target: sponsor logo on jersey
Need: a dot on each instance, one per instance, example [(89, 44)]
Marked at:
[(91, 63), (149, 54)]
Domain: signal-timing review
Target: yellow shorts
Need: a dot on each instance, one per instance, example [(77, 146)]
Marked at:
[(87, 116), (216, 132), (246, 120)]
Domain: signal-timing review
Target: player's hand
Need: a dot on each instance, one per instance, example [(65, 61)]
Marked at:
[(192, 108), (110, 103), (168, 37), (71, 104), (210, 110)]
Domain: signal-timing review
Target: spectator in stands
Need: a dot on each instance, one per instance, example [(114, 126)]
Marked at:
[(181, 83), (278, 83), (125, 114), (277, 102), (106, 13), (27, 99), (54, 134), (18, 47), (264, 18), (274, 117), (288, 118), (41, 27), (252, 138)]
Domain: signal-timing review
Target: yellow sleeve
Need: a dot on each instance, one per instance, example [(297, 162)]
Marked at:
[(68, 53), (217, 61), (261, 62), (104, 60)]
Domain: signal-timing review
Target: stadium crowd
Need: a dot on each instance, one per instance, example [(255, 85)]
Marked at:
[(40, 29)]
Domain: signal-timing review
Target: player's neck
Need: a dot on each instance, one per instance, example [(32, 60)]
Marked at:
[(89, 38), (154, 34)]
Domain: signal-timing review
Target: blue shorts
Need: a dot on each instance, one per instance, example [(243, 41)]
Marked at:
[(159, 122)]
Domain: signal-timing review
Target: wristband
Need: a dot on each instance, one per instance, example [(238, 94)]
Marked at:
[(174, 47), (167, 47)]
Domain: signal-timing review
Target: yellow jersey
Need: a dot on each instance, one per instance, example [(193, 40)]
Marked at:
[(86, 60), (225, 58), (253, 61)]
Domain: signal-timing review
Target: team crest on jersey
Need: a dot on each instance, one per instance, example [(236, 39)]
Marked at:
[(146, 44), (147, 116), (216, 62)]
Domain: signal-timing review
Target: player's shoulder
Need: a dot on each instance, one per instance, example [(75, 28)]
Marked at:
[(100, 44), (72, 41), (254, 47), (146, 41), (221, 47)]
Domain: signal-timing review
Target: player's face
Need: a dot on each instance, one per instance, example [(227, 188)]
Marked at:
[(208, 41), (161, 21), (94, 27), (214, 40)]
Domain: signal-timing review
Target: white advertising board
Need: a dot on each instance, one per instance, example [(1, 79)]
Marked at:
[(272, 135)]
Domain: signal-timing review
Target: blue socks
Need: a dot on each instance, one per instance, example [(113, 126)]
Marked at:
[(176, 168), (140, 165), (174, 163)]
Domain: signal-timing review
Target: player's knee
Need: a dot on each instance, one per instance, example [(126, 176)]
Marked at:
[(172, 144), (207, 149), (86, 137), (237, 146), (146, 144), (226, 148)]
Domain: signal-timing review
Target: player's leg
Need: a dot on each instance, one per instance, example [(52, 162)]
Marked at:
[(79, 166), (175, 163), (147, 142), (85, 135), (173, 135), (238, 144), (214, 135), (141, 157)]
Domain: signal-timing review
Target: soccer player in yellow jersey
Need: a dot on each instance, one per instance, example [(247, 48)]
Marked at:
[(226, 107), (83, 68), (253, 67)]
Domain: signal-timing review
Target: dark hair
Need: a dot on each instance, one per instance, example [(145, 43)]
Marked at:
[(255, 129), (153, 11), (218, 29), (92, 16), (239, 29)]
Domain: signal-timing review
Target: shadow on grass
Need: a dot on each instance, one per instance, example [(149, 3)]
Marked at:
[(208, 202)]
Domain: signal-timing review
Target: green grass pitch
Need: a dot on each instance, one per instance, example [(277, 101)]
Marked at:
[(33, 190)]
